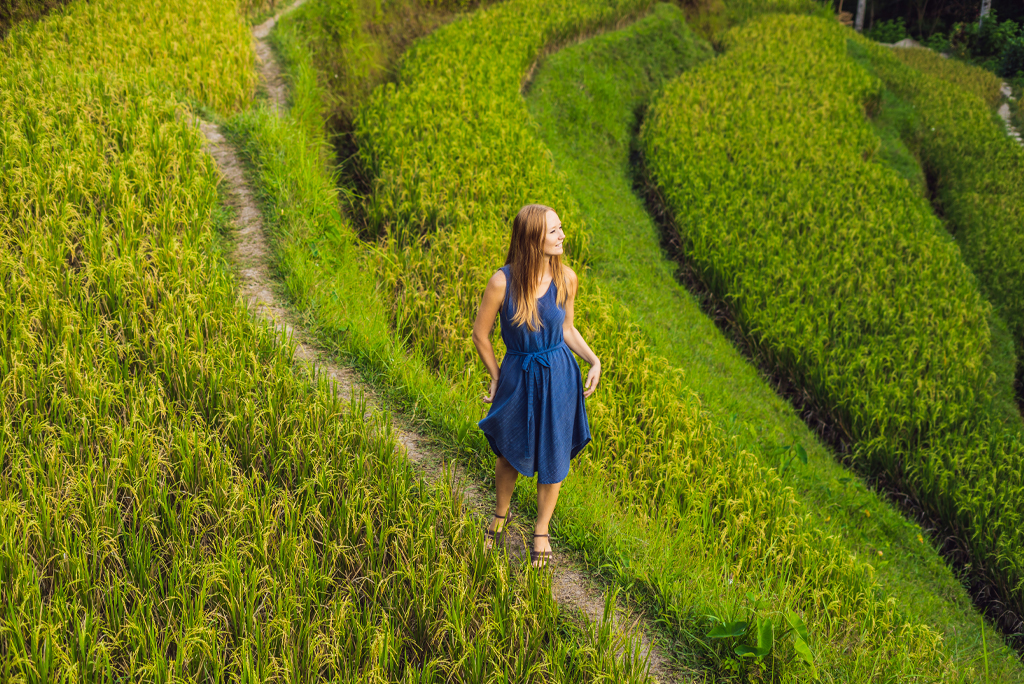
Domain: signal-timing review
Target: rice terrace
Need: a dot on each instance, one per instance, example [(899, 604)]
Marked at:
[(250, 431)]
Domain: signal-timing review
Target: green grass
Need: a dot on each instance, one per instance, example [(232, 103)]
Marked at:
[(666, 505), (893, 119), (587, 100), (1016, 111)]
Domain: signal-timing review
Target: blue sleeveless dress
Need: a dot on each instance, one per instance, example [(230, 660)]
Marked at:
[(537, 420)]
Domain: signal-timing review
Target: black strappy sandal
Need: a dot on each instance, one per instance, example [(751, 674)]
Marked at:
[(542, 557), (494, 536)]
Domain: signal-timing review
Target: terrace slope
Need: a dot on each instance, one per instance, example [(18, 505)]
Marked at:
[(842, 279), (588, 100)]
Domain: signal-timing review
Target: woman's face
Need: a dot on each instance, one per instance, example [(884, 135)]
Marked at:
[(553, 235)]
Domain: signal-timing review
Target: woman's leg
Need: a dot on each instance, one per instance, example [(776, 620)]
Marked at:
[(505, 476), (547, 497)]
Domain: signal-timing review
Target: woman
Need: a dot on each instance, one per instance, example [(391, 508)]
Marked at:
[(537, 421)]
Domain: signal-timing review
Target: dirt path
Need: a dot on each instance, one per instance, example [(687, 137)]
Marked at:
[(572, 588), (271, 76), (1004, 113)]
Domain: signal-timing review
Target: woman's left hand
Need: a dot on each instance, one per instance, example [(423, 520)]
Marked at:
[(593, 378)]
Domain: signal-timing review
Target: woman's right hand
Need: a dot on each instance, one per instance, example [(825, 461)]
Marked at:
[(488, 398)]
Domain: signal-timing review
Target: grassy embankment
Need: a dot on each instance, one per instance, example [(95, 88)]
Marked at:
[(665, 504), (785, 214), (588, 100), (176, 502)]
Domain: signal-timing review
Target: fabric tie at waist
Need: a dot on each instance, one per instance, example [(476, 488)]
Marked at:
[(541, 357)]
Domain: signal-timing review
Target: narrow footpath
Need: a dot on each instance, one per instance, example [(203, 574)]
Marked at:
[(1004, 113), (571, 586)]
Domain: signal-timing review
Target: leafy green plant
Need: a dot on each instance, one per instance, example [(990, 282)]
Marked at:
[(937, 42), (986, 44), (790, 453), (801, 641), (889, 31), (1012, 58), (756, 639)]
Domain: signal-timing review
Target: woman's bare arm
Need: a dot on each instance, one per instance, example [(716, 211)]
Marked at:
[(489, 305), (575, 341)]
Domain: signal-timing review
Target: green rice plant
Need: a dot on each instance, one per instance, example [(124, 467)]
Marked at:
[(891, 31), (177, 502), (842, 278), (173, 56), (976, 171), (665, 505)]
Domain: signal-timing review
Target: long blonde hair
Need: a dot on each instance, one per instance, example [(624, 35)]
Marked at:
[(526, 261)]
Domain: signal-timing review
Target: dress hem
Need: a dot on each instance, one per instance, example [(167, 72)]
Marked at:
[(576, 449)]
